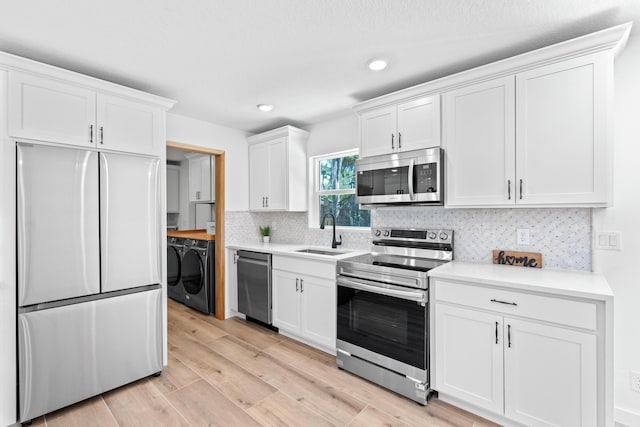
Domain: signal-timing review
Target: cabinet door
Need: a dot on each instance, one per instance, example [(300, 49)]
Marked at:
[(278, 174), (258, 176), (479, 142), (419, 123), (318, 322), (378, 132), (206, 179), (173, 189), (550, 375), (562, 131), (469, 358), (129, 126), (49, 110), (129, 221), (195, 179), (286, 301)]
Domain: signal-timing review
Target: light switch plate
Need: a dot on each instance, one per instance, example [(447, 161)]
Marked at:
[(608, 240)]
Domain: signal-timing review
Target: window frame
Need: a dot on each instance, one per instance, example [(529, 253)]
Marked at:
[(315, 192)]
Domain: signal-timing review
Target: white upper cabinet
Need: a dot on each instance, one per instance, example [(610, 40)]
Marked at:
[(403, 126), (125, 125), (562, 131), (479, 143), (201, 179), (278, 170), (536, 138), (47, 109)]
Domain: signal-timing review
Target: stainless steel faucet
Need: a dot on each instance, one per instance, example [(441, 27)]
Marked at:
[(334, 242)]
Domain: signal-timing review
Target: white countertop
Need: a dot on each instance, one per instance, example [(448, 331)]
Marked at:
[(580, 284), (290, 250)]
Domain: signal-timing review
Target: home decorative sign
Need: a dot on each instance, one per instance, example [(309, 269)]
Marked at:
[(521, 259)]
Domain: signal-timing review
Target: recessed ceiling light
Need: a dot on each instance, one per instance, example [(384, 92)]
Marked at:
[(377, 64), (265, 107)]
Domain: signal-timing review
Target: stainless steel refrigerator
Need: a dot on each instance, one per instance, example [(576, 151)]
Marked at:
[(89, 296)]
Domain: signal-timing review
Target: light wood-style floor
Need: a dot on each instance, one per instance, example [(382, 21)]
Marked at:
[(234, 373)]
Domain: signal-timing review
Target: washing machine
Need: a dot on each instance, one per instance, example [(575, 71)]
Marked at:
[(175, 248), (198, 275)]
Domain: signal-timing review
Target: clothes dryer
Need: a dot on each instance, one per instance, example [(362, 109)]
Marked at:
[(198, 275)]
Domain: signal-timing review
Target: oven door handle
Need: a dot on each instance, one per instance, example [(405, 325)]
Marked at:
[(417, 296)]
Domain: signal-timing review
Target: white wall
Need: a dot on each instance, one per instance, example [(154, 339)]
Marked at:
[(621, 267), (334, 135), (233, 142)]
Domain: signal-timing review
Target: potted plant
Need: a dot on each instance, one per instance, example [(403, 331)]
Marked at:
[(264, 232)]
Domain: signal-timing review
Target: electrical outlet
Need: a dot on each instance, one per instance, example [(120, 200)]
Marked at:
[(273, 226), (635, 381), (522, 236)]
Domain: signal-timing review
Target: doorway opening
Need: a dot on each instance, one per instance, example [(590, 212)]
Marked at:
[(218, 155)]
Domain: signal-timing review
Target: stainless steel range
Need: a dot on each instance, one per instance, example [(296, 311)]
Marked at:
[(383, 310)]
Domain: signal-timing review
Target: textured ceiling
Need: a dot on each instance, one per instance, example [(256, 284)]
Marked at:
[(219, 58)]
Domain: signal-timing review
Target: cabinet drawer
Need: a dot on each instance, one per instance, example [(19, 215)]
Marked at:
[(299, 265), (558, 310)]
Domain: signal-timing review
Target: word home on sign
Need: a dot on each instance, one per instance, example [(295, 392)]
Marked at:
[(521, 259)]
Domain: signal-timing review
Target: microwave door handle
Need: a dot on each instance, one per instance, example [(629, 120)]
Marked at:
[(412, 165), (417, 296)]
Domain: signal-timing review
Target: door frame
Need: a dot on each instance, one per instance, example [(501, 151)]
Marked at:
[(219, 213)]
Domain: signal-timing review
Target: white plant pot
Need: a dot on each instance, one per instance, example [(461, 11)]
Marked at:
[(266, 239)]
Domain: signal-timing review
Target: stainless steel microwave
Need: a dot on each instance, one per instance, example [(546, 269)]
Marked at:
[(398, 178)]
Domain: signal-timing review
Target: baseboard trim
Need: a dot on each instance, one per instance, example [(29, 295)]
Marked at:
[(625, 417)]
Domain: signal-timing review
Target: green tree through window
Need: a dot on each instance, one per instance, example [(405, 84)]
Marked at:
[(336, 191)]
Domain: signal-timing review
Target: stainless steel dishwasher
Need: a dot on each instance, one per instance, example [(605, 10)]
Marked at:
[(254, 285)]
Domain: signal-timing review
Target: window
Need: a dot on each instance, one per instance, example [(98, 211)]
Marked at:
[(334, 191)]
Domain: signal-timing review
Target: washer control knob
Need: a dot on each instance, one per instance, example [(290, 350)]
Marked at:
[(378, 232), (432, 235), (444, 236), (386, 233)]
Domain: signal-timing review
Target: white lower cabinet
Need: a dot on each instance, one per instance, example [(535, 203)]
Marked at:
[(304, 304), (509, 354), (549, 375), (460, 333)]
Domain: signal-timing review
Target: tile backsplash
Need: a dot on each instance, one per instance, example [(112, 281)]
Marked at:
[(563, 236)]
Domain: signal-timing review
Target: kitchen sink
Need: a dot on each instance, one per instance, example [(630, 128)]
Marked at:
[(320, 251)]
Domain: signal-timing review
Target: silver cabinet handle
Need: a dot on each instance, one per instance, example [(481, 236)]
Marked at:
[(197, 195), (91, 134), (267, 198), (496, 332), (301, 285), (399, 140), (520, 189), (392, 139), (509, 188), (101, 134), (235, 258), (263, 202), (297, 280), (503, 302), (509, 335)]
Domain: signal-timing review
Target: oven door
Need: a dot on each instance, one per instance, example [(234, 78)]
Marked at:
[(384, 324)]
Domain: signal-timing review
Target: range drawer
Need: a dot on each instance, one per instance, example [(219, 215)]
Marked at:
[(548, 308)]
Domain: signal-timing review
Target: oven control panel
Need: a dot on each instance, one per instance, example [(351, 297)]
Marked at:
[(435, 235)]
